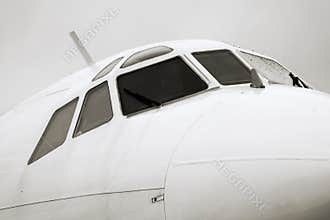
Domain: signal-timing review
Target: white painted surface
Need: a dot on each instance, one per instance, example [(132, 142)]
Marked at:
[(276, 139), (125, 206)]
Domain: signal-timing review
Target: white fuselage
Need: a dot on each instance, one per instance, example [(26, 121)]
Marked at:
[(227, 153)]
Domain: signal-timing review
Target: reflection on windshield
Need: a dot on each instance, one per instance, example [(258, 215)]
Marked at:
[(268, 68)]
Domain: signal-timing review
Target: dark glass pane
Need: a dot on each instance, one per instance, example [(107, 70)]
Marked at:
[(55, 132), (96, 109), (157, 84), (224, 66)]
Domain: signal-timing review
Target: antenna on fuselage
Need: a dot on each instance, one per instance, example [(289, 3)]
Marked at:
[(88, 58)]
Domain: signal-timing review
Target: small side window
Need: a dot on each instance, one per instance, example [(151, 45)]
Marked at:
[(225, 67), (96, 109), (146, 55), (106, 70), (55, 132)]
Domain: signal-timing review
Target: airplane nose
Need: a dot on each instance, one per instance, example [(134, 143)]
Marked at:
[(265, 157)]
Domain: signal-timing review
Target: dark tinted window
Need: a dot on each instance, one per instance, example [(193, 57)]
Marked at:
[(224, 66), (157, 84), (96, 109), (55, 132)]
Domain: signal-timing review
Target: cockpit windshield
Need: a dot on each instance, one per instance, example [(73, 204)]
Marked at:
[(269, 69), (157, 84), (224, 66)]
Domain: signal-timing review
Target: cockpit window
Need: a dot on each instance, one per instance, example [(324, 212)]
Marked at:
[(96, 109), (55, 132), (268, 68), (224, 66), (146, 55), (157, 84), (106, 70)]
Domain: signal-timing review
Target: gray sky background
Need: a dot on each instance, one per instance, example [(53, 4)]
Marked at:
[(34, 35)]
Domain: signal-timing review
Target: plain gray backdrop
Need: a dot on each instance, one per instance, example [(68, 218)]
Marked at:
[(35, 35)]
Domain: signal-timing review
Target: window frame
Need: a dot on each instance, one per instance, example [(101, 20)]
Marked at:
[(76, 100), (187, 61), (241, 53), (144, 56), (109, 68), (80, 108), (246, 65)]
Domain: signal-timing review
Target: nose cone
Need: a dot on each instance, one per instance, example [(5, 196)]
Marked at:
[(257, 154)]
